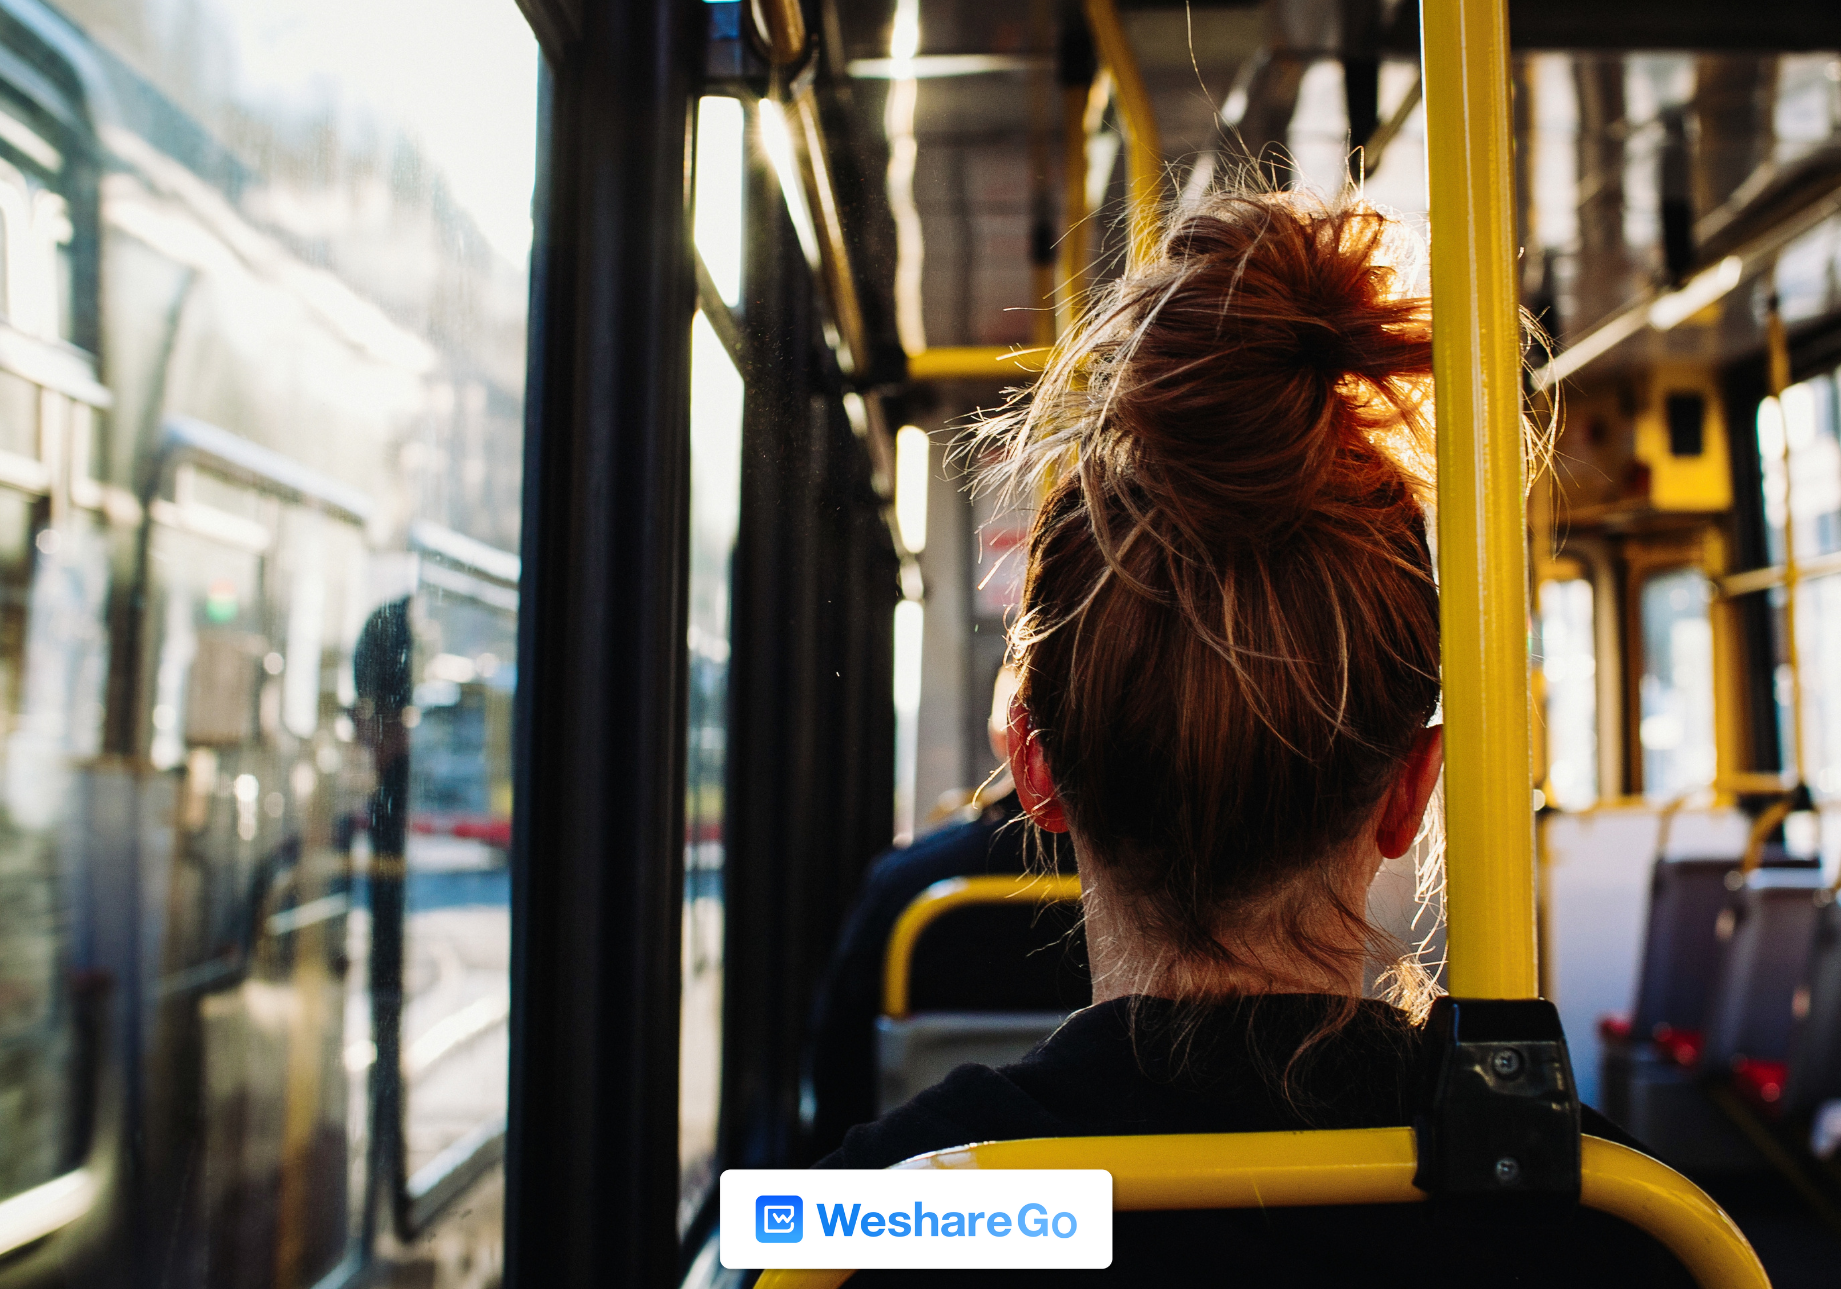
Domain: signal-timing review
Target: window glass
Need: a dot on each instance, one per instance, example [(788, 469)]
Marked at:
[(457, 896), (1676, 688), (1569, 671), (49, 693), (259, 524), (910, 635), (1818, 629), (1807, 422), (715, 505), (55, 658), (1803, 424), (19, 417), (36, 292)]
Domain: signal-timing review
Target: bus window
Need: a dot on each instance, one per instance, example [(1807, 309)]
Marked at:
[(1675, 692), (1818, 625), (1807, 422), (49, 692), (55, 656), (1569, 669), (19, 430), (456, 916), (262, 357), (1804, 423), (35, 250), (715, 504)]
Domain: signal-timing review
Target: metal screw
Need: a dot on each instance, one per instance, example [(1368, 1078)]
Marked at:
[(1508, 1171), (1506, 1062)]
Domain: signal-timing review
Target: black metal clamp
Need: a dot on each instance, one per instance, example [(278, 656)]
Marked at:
[(1498, 1111)]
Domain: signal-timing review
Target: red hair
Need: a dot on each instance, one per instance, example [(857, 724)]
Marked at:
[(1228, 640)]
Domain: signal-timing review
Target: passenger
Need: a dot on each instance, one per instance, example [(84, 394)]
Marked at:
[(1229, 661), (841, 1057)]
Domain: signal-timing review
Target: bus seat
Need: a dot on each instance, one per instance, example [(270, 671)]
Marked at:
[(916, 1052), (1350, 1166), (978, 969), (1765, 932), (1681, 943), (1682, 950), (1650, 1079), (1661, 1102), (1600, 868), (1815, 1048)]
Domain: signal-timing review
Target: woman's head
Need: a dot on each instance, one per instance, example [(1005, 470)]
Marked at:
[(1228, 646)]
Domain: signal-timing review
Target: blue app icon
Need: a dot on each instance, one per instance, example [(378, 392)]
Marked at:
[(779, 1219)]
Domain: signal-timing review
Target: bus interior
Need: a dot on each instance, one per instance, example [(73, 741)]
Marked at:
[(488, 562)]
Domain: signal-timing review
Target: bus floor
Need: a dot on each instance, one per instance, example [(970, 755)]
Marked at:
[(1798, 1248)]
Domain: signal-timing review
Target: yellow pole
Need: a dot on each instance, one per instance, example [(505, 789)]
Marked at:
[(1043, 259), (976, 362), (1482, 534), (1071, 254), (782, 22), (1143, 147), (1731, 749)]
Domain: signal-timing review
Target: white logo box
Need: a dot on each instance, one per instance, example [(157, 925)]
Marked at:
[(867, 1219)]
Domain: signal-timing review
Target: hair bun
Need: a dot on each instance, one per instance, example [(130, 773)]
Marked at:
[(1239, 381), (1229, 631)]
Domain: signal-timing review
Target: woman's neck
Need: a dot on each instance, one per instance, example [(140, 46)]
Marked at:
[(1264, 952)]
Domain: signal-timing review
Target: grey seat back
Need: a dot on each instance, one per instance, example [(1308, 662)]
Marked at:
[(1815, 1046), (915, 1052), (1681, 943), (1765, 934), (986, 981)]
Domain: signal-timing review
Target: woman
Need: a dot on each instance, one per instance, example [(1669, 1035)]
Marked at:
[(1229, 663)]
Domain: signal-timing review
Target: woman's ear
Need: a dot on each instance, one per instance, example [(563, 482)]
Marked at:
[(1404, 808), (1035, 786)]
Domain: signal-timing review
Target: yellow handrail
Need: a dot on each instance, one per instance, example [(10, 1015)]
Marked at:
[(1655, 1198), (943, 897), (976, 362), (1219, 1170), (1071, 253), (1354, 1166), (781, 23), (1482, 542), (1762, 827), (1143, 145)]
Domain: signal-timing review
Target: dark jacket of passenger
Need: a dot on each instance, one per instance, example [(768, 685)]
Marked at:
[(841, 1057), (1128, 1067)]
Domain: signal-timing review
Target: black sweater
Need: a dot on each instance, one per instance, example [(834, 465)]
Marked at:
[(1131, 1066)]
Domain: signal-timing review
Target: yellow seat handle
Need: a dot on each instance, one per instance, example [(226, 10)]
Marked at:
[(1351, 1166), (942, 898)]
